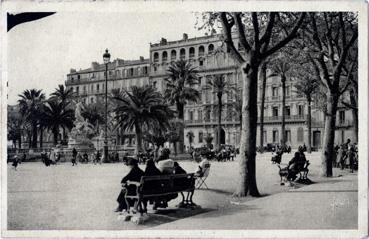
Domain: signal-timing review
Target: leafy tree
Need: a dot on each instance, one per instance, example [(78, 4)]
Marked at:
[(30, 105), (180, 89), (57, 115), (93, 113), (330, 42), (142, 107), (260, 35), (280, 66), (307, 85), (14, 125)]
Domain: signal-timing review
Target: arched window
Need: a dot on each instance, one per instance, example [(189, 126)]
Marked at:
[(192, 52), (210, 49), (201, 51), (164, 56), (182, 54), (173, 55), (300, 134), (156, 57)]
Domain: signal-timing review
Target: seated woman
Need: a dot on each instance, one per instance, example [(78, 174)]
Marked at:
[(134, 175), (292, 166)]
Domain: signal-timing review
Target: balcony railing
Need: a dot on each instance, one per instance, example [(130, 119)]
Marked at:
[(289, 118)]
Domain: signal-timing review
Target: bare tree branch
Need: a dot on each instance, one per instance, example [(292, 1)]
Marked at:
[(241, 31), (255, 24)]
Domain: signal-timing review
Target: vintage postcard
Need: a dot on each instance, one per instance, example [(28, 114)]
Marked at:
[(184, 119)]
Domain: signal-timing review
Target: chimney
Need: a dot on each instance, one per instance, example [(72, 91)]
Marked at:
[(94, 65), (142, 58), (73, 70), (185, 36), (163, 41)]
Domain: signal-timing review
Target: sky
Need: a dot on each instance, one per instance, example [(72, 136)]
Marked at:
[(41, 53)]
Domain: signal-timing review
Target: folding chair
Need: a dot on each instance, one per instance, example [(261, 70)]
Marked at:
[(201, 178)]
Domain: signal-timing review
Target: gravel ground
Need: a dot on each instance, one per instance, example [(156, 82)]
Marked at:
[(83, 197)]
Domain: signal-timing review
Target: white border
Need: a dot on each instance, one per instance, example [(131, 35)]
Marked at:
[(112, 6)]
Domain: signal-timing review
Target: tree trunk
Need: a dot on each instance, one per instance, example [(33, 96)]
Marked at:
[(247, 181), (329, 134), (283, 138), (138, 138), (180, 143), (263, 78), (309, 126), (34, 135), (219, 95), (56, 133), (354, 110), (20, 141), (41, 136)]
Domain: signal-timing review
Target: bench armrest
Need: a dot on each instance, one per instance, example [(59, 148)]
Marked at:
[(133, 183)]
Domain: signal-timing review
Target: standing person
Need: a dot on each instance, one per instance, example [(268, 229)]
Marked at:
[(351, 156), (52, 157), (341, 157), (85, 157), (74, 156), (23, 158), (15, 162)]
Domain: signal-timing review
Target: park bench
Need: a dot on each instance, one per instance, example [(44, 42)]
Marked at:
[(156, 187)]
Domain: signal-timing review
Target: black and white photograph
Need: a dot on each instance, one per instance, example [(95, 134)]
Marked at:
[(168, 119)]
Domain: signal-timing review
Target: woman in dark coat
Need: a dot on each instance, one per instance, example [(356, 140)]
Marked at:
[(134, 175)]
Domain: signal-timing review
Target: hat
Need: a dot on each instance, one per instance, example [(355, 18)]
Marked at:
[(132, 162)]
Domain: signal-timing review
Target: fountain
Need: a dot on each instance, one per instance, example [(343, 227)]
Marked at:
[(79, 135)]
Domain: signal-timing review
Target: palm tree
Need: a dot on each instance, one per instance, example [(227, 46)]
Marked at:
[(30, 104), (57, 115), (141, 108), (220, 87), (62, 94), (182, 78), (307, 86), (93, 113), (280, 67)]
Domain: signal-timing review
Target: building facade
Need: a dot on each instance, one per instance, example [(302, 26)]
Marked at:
[(207, 54)]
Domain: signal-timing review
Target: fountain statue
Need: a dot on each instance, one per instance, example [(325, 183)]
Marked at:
[(79, 137)]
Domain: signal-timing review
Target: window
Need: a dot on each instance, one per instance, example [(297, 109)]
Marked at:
[(201, 51), (182, 54), (154, 84), (192, 52), (199, 115), (275, 91), (275, 111), (342, 116), (265, 136), (117, 73), (156, 57), (92, 88), (145, 70), (71, 89), (84, 101), (78, 77), (164, 56), (288, 135), (210, 49), (288, 111), (173, 55), (300, 134), (155, 68), (77, 90), (201, 62), (301, 110), (98, 88), (207, 116), (275, 136), (84, 89), (201, 136), (190, 115), (287, 91), (130, 72), (92, 100)]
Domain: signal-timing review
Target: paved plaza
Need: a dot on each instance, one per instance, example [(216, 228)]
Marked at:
[(83, 197)]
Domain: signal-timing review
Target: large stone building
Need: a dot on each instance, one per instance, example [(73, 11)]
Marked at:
[(201, 118)]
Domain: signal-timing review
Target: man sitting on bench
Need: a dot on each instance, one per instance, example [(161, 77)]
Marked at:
[(135, 175)]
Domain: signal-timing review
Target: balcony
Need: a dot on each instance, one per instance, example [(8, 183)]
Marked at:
[(278, 119), (344, 123)]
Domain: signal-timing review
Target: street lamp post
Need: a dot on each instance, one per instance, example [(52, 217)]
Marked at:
[(106, 58)]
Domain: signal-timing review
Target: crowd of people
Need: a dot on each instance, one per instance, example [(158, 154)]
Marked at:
[(223, 154), (346, 156)]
